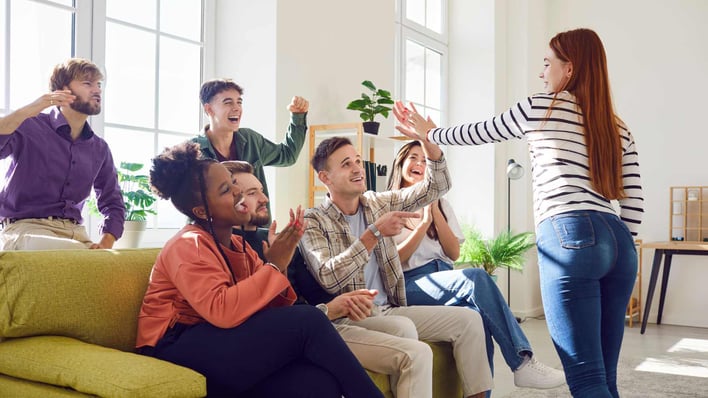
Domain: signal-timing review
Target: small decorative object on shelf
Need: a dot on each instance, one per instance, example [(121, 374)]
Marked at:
[(370, 105), (688, 218)]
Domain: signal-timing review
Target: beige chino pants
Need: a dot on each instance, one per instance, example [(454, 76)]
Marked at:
[(400, 326), (44, 234)]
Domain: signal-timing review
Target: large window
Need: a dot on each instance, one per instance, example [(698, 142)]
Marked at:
[(152, 52), (153, 67), (423, 56)]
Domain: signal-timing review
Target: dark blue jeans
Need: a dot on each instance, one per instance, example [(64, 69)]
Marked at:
[(588, 265), (278, 352)]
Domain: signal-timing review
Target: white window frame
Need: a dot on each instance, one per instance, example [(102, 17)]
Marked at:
[(410, 30)]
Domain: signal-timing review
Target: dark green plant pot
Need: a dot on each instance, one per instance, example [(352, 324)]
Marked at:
[(371, 127)]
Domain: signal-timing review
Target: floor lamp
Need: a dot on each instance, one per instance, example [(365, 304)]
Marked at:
[(514, 171)]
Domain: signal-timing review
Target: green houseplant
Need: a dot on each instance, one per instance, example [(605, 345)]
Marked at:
[(376, 102), (505, 250), (138, 199)]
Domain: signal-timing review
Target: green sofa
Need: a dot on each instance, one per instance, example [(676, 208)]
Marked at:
[(68, 323)]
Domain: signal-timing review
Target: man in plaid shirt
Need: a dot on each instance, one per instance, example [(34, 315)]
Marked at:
[(348, 245)]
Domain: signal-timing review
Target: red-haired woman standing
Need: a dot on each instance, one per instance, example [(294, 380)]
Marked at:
[(583, 157)]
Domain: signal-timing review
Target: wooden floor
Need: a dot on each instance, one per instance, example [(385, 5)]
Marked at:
[(653, 343)]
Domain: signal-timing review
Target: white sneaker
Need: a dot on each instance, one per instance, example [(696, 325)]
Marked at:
[(534, 374)]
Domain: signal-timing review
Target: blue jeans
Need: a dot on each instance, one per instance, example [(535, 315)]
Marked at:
[(588, 265), (437, 283)]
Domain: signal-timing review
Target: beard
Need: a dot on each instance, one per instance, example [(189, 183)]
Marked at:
[(85, 107), (259, 219)]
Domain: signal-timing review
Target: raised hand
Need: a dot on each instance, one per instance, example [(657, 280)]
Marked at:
[(283, 244), (411, 123), (298, 105)]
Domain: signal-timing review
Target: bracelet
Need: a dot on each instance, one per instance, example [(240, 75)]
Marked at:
[(274, 267)]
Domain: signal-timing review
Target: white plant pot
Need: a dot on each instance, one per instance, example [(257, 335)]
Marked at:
[(132, 233)]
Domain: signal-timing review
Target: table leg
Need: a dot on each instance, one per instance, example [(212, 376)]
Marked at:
[(664, 281), (658, 253)]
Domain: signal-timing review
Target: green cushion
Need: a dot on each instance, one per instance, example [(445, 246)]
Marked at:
[(96, 370), (91, 295), (12, 387)]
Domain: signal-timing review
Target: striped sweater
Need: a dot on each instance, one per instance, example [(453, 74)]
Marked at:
[(559, 160)]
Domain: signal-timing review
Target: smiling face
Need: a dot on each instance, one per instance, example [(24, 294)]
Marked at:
[(224, 198), (556, 73), (255, 200), (413, 169), (225, 110), (344, 173), (88, 96)]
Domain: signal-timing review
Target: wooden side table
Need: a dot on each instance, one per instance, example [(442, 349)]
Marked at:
[(665, 251)]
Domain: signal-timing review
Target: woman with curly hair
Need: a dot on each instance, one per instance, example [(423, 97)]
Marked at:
[(213, 306)]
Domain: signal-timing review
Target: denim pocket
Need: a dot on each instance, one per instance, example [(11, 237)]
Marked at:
[(574, 231)]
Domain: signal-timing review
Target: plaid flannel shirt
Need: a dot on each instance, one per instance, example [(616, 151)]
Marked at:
[(336, 258)]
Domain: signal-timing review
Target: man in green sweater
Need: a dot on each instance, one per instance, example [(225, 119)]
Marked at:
[(224, 138)]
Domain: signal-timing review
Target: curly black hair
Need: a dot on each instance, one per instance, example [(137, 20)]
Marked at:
[(175, 175), (178, 174)]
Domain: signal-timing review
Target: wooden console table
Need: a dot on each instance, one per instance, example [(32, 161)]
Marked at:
[(666, 250)]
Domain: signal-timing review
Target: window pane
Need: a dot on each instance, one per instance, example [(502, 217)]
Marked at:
[(130, 145), (180, 65), (181, 18), (138, 12), (433, 14), (34, 52), (433, 72), (415, 77), (415, 11), (130, 76)]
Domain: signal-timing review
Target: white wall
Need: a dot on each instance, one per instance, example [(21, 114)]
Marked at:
[(318, 49)]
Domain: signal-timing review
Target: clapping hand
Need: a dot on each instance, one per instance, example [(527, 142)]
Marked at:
[(282, 245)]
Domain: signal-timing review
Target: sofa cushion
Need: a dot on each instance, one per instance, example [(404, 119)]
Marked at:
[(96, 370), (13, 387), (91, 295)]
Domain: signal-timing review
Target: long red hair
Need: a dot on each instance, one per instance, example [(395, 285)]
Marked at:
[(590, 84)]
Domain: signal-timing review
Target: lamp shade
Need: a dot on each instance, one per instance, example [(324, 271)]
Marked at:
[(514, 171)]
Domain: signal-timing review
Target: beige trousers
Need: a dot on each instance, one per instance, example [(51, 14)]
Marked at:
[(44, 234), (399, 326), (407, 361)]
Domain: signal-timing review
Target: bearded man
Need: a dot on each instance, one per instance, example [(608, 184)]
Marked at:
[(51, 161)]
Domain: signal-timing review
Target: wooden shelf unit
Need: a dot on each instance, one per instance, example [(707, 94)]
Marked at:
[(688, 213)]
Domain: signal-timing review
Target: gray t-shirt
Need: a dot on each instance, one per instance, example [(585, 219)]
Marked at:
[(372, 273)]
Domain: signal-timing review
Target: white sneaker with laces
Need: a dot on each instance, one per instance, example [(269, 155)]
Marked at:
[(534, 374)]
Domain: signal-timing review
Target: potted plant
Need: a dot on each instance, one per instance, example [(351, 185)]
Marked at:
[(505, 250), (370, 105), (138, 199)]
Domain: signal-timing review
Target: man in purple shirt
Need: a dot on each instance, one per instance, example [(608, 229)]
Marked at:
[(50, 163)]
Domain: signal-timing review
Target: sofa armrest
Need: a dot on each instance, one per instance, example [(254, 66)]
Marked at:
[(96, 370)]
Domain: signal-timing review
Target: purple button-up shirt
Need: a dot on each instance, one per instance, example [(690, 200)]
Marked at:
[(48, 174)]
